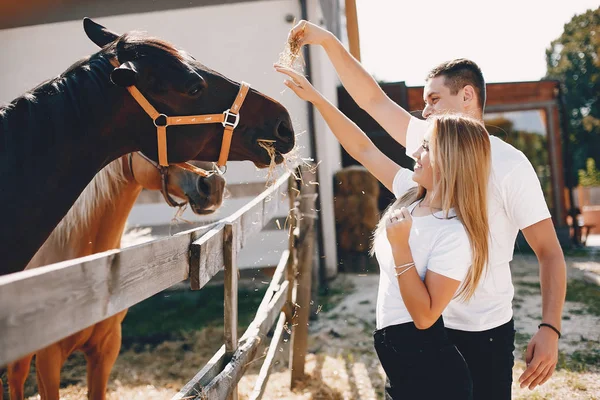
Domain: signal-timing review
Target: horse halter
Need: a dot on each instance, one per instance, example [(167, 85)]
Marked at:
[(164, 178), (229, 119)]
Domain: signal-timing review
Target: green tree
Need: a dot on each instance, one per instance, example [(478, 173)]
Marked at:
[(590, 176), (574, 60)]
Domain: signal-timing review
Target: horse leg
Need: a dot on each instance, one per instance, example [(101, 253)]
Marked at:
[(100, 360), (17, 374), (48, 363)]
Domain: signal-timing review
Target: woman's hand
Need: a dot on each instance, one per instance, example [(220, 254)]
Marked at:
[(309, 33), (299, 84), (398, 230)]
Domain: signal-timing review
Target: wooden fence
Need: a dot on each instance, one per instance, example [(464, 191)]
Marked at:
[(41, 306)]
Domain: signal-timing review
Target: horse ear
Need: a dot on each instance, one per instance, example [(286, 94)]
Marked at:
[(124, 75), (97, 33)]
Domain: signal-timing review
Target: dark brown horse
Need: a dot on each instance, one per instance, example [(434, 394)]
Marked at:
[(54, 139)]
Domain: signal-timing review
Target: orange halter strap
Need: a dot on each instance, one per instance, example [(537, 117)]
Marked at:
[(229, 119)]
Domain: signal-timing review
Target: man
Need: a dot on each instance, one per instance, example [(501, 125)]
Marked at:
[(483, 328)]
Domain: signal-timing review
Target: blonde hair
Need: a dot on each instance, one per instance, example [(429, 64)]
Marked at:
[(460, 159)]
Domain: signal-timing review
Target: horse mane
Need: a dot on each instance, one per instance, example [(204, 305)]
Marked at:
[(98, 193), (133, 45), (76, 93)]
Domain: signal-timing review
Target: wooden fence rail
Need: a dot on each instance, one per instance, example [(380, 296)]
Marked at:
[(84, 291)]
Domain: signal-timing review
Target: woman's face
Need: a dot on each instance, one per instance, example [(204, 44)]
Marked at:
[(423, 173)]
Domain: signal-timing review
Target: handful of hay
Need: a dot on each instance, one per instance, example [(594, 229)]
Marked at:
[(291, 53)]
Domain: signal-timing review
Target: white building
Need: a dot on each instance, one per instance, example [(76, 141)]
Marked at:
[(239, 38)]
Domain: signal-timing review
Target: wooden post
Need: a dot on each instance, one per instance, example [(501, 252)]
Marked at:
[(305, 245), (352, 28), (231, 293), (291, 267)]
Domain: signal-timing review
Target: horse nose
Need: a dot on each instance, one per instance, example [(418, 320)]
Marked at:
[(284, 132), (204, 186)]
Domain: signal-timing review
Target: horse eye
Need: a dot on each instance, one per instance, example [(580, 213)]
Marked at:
[(195, 90)]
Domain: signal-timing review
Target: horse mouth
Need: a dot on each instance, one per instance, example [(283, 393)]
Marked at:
[(202, 210), (269, 153)]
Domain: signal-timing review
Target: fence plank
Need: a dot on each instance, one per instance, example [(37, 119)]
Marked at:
[(230, 286), (55, 301), (290, 272), (222, 386), (260, 326), (206, 257), (299, 339), (207, 261), (265, 370), (275, 281), (195, 387), (252, 217)]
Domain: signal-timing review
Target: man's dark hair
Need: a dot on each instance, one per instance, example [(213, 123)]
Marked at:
[(459, 73)]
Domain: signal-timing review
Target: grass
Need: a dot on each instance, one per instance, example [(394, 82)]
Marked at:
[(588, 294), (580, 360), (524, 289), (331, 295), (170, 315)]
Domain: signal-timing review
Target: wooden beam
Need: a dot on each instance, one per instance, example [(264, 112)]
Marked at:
[(290, 272), (265, 370), (248, 220), (206, 257), (223, 385), (250, 189), (230, 284), (195, 387), (274, 286), (43, 305), (82, 292), (352, 28), (299, 339)]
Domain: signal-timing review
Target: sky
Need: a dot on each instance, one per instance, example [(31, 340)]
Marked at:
[(402, 40)]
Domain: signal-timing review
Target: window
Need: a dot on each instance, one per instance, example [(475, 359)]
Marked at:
[(526, 131)]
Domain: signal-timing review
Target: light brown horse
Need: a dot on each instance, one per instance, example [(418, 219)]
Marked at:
[(95, 223)]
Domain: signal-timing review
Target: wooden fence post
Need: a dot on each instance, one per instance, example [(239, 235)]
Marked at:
[(290, 276), (231, 293), (305, 246)]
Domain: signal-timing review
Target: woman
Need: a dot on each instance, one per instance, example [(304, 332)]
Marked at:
[(431, 245)]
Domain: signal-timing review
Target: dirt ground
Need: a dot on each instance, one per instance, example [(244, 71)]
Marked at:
[(341, 363)]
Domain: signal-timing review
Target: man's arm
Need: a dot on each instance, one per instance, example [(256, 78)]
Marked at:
[(361, 86), (542, 351), (527, 208)]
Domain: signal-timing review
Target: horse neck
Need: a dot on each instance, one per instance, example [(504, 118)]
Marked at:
[(110, 222), (87, 129), (96, 221)]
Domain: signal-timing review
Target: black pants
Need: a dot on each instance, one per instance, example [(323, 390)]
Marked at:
[(422, 364), (489, 355)]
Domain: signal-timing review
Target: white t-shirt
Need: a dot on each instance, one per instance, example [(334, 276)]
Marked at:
[(438, 244), (515, 201)]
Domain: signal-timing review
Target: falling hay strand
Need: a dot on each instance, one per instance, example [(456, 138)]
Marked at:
[(269, 147)]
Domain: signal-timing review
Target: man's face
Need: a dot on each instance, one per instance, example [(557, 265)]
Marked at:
[(438, 99)]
